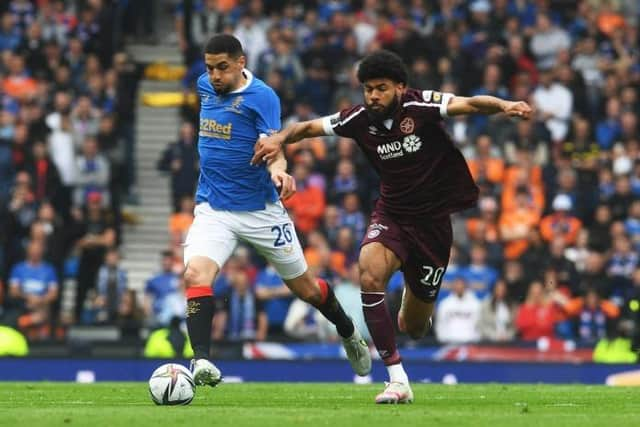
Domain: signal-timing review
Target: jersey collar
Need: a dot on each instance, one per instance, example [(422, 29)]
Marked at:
[(249, 77)]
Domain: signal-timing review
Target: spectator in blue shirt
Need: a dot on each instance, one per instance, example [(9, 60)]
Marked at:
[(33, 285), (609, 129), (9, 34), (160, 290), (351, 215), (478, 275)]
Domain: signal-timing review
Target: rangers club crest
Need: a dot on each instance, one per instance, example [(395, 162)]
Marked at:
[(407, 125)]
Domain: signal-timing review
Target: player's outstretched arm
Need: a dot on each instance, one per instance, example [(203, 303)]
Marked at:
[(284, 182), (269, 147), (485, 104)]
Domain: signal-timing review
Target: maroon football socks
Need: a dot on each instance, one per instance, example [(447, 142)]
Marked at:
[(380, 326)]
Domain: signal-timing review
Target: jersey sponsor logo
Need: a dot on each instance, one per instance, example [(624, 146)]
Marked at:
[(235, 105), (391, 150), (407, 125), (212, 129), (411, 143)]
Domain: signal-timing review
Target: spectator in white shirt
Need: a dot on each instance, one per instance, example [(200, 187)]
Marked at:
[(547, 42), (554, 103), (93, 174), (458, 316)]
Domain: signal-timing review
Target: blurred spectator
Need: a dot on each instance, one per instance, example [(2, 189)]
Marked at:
[(516, 225), (547, 41), (96, 234), (599, 230), (561, 223), (44, 174), (163, 296), (621, 198), (307, 205), (130, 316), (623, 262), (486, 164), (554, 103), (537, 316), (93, 174), (33, 285), (242, 314), (458, 315), (180, 159), (592, 315), (110, 288), (479, 276), (565, 270), (497, 315), (351, 216), (579, 253)]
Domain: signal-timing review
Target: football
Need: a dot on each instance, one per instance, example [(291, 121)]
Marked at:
[(172, 384)]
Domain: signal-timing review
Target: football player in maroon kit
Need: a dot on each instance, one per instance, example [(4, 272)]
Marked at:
[(423, 179)]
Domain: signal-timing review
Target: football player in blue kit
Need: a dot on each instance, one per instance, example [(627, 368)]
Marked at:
[(239, 201)]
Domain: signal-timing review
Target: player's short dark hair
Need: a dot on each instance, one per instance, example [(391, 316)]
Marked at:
[(383, 64), (224, 43)]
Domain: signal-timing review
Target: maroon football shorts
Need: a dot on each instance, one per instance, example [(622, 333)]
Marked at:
[(422, 246)]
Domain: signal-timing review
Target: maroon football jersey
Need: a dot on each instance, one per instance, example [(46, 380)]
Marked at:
[(422, 174)]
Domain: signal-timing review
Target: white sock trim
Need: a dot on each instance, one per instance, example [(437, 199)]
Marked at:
[(374, 304), (397, 374)]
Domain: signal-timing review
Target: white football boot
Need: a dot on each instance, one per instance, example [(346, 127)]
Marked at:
[(205, 372), (395, 393), (358, 353)]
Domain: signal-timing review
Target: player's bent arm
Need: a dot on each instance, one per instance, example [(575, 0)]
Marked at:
[(268, 147), (297, 131), (485, 104)]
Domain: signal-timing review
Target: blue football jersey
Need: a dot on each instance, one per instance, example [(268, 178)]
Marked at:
[(230, 125)]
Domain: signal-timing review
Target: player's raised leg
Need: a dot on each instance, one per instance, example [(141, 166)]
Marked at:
[(198, 277), (278, 243), (377, 264), (318, 293)]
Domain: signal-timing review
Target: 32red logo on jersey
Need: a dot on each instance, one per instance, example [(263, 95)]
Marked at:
[(407, 125)]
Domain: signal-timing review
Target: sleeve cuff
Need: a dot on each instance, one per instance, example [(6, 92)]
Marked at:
[(326, 124), (446, 97)]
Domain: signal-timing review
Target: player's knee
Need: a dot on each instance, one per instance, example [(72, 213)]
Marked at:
[(370, 282), (196, 276)]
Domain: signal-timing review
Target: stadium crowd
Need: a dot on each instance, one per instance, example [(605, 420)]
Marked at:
[(550, 251), (67, 120)]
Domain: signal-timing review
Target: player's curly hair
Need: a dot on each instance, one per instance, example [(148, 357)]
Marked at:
[(224, 43), (383, 64)]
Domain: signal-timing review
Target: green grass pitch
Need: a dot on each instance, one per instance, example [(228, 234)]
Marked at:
[(335, 405)]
